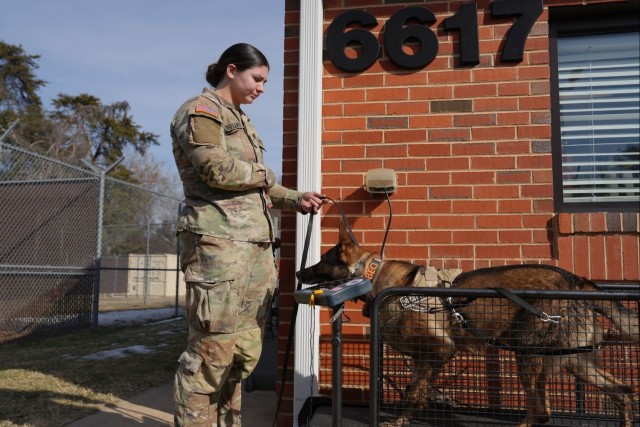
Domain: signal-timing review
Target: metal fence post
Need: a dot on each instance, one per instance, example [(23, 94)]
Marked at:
[(102, 172), (145, 290), (178, 265)]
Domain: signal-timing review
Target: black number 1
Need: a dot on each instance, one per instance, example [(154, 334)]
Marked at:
[(465, 21)]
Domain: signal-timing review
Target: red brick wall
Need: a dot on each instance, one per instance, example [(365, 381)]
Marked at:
[(472, 152)]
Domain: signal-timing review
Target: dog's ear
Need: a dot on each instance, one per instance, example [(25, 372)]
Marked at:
[(345, 237)]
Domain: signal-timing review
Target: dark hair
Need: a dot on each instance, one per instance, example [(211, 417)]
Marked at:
[(242, 55)]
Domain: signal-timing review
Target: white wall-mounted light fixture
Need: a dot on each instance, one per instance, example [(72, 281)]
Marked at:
[(379, 180)]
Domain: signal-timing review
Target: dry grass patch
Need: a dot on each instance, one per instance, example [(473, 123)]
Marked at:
[(53, 381)]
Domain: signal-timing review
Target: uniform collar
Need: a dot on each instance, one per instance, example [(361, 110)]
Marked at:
[(209, 93)]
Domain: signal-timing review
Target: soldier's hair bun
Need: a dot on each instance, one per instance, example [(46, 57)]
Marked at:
[(242, 55), (214, 74)]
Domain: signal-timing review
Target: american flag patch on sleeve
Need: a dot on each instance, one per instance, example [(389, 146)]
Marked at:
[(203, 109)]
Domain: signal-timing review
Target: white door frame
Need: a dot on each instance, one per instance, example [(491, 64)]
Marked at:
[(307, 344)]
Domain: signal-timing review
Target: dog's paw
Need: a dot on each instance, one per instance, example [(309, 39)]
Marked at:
[(402, 421), (439, 399)]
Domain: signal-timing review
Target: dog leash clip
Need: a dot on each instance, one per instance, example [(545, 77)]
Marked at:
[(553, 319), (459, 318)]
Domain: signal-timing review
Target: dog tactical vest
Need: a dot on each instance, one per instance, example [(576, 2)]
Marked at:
[(431, 277)]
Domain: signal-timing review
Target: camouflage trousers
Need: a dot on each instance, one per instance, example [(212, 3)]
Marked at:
[(229, 290)]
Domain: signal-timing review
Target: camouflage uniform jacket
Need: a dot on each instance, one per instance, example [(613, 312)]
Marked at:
[(227, 187)]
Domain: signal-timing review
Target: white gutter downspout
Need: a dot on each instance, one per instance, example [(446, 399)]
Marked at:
[(305, 381)]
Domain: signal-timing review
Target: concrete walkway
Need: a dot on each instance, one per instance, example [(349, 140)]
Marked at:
[(154, 407)]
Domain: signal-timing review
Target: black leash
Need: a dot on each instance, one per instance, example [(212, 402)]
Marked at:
[(303, 263), (294, 315), (346, 223)]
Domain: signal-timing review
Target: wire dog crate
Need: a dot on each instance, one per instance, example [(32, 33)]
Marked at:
[(592, 373)]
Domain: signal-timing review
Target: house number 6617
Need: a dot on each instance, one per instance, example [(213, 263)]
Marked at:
[(409, 24)]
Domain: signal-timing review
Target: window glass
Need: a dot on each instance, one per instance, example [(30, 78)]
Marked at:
[(599, 103)]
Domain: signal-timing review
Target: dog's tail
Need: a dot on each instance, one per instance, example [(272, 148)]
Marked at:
[(627, 321)]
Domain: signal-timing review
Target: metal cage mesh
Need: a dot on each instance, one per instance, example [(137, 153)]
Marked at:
[(481, 384)]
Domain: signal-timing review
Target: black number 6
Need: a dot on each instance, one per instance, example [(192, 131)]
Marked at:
[(397, 33), (338, 40)]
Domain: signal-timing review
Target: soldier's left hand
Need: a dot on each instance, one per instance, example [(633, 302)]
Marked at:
[(312, 201)]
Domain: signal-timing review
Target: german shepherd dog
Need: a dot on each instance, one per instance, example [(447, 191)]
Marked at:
[(441, 336)]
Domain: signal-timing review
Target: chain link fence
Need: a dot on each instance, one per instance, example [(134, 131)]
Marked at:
[(79, 248)]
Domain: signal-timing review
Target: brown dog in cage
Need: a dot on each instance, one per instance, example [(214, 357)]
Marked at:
[(433, 335)]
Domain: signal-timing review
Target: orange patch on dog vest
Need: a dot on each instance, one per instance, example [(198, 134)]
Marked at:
[(372, 269)]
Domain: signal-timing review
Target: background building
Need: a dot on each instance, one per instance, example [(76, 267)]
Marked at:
[(512, 126)]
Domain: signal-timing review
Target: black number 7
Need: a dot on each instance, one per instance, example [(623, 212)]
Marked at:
[(527, 12)]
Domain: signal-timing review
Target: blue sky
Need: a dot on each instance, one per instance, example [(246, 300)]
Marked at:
[(150, 53)]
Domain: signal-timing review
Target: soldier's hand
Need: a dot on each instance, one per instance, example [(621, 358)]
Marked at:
[(269, 177), (312, 201)]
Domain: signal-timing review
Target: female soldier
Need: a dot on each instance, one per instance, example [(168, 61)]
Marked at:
[(226, 236)]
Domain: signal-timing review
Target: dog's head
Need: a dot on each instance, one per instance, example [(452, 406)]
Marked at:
[(336, 263)]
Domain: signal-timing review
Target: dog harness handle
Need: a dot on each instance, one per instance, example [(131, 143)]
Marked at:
[(531, 309)]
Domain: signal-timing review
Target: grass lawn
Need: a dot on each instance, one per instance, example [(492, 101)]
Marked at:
[(53, 381)]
